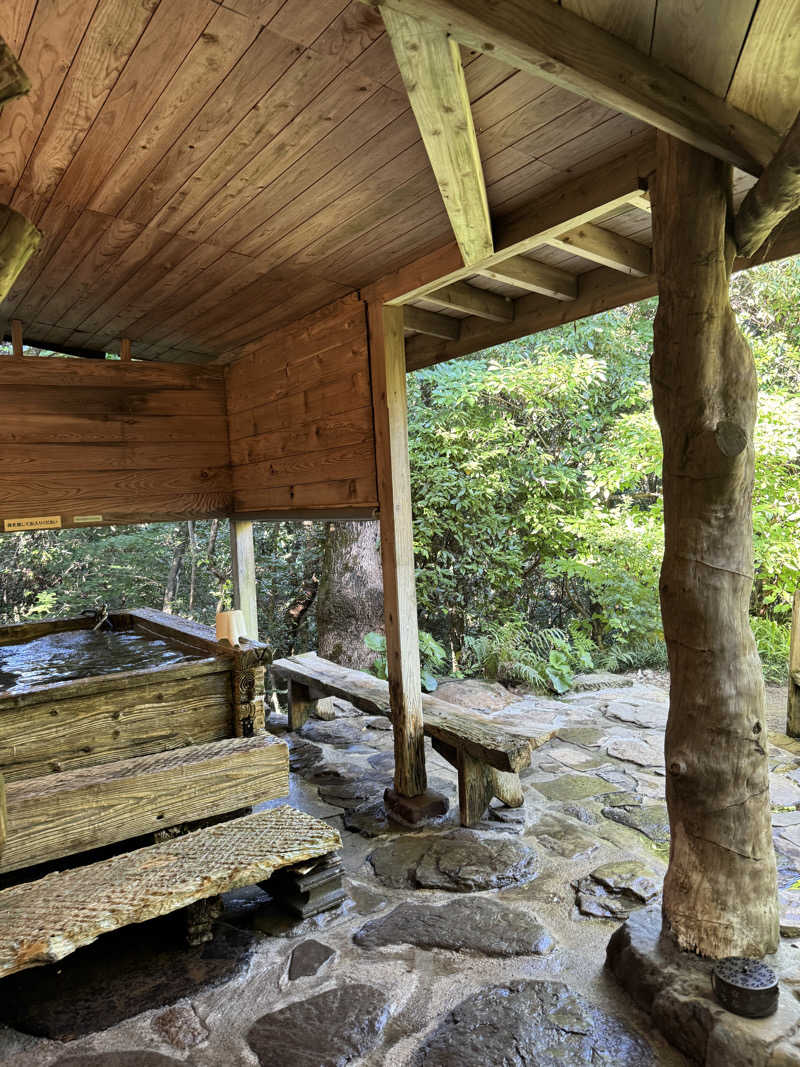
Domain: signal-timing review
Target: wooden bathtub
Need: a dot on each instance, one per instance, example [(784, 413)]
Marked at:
[(63, 718)]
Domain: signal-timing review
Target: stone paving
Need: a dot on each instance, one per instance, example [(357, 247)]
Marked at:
[(471, 947)]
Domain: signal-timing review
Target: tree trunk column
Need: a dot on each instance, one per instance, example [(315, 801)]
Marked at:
[(388, 366), (720, 895)]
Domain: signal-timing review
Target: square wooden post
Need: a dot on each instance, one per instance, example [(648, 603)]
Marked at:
[(243, 563), (388, 367)]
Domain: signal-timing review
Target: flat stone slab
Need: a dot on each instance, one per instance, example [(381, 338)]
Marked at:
[(783, 793), (308, 958), (642, 706), (644, 751), (674, 987), (475, 694), (328, 1030), (528, 1023), (462, 861), (562, 837), (614, 890), (133, 1058), (574, 787), (479, 925), (651, 820)]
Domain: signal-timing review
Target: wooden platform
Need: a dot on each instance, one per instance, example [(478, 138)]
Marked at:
[(44, 921), (488, 758), (61, 814)]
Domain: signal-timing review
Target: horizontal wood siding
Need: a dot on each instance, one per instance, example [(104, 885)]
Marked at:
[(63, 734), (300, 417), (130, 442)]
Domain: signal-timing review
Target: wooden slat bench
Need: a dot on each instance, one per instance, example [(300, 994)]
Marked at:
[(46, 920), (61, 814), (488, 759)]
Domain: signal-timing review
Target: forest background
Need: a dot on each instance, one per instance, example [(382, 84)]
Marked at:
[(538, 521)]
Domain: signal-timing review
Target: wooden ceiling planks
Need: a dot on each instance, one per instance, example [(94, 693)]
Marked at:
[(203, 171)]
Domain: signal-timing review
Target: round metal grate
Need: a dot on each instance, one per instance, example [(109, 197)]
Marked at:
[(746, 987)]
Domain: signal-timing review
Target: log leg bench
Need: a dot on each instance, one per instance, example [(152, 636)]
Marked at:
[(44, 921), (488, 758), (793, 704)]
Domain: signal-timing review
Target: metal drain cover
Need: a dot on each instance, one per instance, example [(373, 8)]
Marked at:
[(746, 987)]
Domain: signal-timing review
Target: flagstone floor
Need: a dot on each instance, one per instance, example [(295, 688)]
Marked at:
[(457, 947)]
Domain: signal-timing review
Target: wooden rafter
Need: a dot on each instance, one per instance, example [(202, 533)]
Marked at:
[(428, 322), (774, 196), (606, 248), (13, 79), (536, 277), (555, 44), (430, 63), (19, 239), (600, 290), (479, 302), (581, 200)]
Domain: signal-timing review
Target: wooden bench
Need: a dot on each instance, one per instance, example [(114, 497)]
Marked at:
[(46, 920), (488, 758), (793, 705)]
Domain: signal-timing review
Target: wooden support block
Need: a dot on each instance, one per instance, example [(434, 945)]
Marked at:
[(300, 705), (61, 814), (16, 338), (475, 788), (125, 349), (793, 708), (248, 700), (19, 239), (508, 788), (44, 921)]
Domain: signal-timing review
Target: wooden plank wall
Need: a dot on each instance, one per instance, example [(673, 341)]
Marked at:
[(300, 418), (111, 441)]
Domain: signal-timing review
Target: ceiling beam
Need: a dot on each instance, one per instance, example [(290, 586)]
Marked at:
[(19, 239), (13, 79), (534, 276), (606, 248), (428, 322), (774, 196), (430, 63), (641, 199), (555, 44), (485, 305), (580, 200)]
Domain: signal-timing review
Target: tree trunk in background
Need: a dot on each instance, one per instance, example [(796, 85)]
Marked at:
[(173, 577), (350, 597), (720, 895)]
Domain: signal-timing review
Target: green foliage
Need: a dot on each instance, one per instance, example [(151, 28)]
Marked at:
[(432, 657)]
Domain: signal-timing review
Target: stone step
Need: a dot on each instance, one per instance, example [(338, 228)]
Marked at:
[(62, 814), (46, 920)]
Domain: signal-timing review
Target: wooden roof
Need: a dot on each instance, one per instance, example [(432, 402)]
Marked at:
[(203, 172)]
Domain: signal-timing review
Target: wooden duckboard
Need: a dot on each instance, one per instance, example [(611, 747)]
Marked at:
[(451, 725), (44, 921), (61, 814)]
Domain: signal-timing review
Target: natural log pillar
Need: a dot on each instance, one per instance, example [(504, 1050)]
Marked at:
[(720, 895), (19, 239), (388, 365)]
